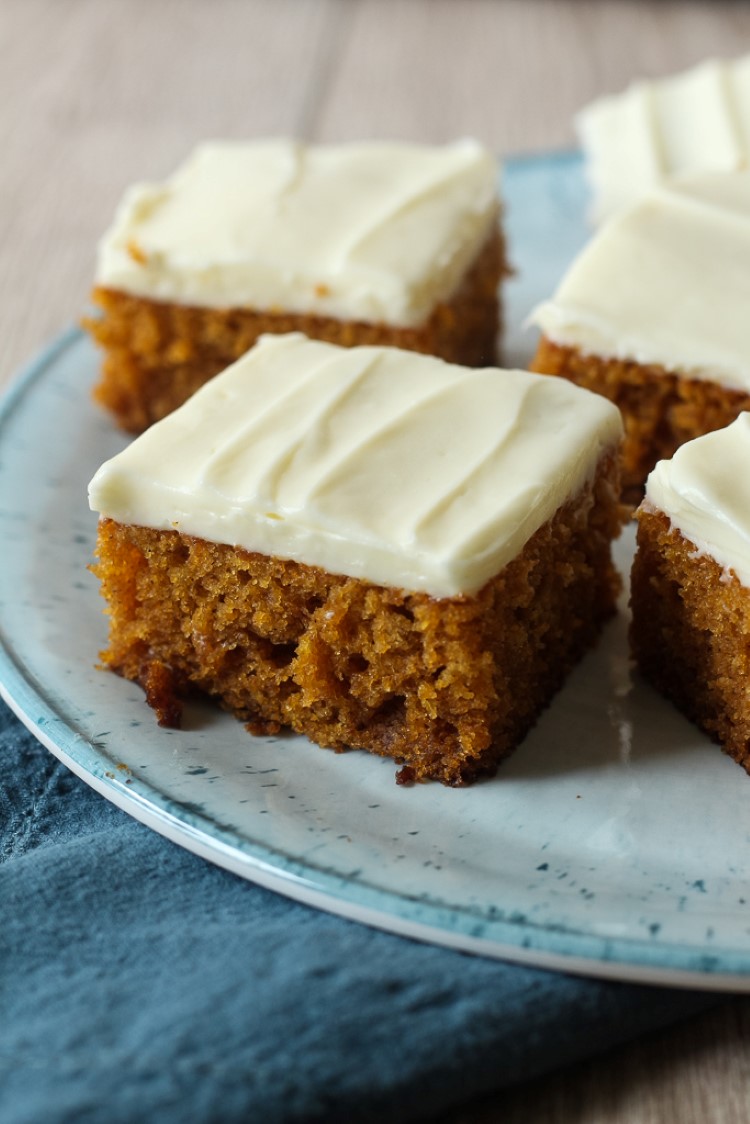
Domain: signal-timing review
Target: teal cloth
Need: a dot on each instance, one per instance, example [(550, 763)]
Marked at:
[(138, 982)]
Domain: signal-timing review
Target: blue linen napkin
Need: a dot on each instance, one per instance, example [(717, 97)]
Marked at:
[(138, 981)]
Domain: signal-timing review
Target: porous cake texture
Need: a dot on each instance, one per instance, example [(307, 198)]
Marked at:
[(370, 243), (690, 591), (375, 548), (653, 315), (695, 121)]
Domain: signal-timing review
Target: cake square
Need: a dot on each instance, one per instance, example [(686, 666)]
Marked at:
[(369, 243), (375, 548), (653, 315), (694, 121), (690, 591)]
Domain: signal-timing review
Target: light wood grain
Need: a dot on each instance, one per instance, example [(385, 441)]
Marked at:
[(512, 73), (698, 1073), (97, 93)]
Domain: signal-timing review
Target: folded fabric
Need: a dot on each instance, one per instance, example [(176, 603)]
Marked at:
[(138, 981)]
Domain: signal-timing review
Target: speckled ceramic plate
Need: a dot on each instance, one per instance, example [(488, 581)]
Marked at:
[(615, 842)]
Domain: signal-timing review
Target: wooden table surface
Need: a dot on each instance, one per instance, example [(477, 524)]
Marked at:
[(97, 93)]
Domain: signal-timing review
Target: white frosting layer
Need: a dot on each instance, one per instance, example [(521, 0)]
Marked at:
[(705, 491), (374, 232), (667, 282), (697, 121), (381, 464)]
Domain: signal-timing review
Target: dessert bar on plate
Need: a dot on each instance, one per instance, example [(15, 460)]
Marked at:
[(696, 121), (691, 584), (654, 314), (373, 547), (368, 243)]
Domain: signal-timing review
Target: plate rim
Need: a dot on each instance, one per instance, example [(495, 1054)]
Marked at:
[(244, 863)]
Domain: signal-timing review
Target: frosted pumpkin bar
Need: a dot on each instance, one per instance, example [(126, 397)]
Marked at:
[(368, 243), (653, 314), (375, 548), (691, 584), (695, 121)]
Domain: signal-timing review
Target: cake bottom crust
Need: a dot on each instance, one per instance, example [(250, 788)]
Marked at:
[(690, 633), (446, 687), (661, 410), (157, 354)]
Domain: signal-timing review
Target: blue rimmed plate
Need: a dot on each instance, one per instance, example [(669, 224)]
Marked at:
[(616, 841)]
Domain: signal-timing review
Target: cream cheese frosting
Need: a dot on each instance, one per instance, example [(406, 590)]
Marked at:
[(380, 464), (705, 491), (371, 231), (667, 282), (696, 121)]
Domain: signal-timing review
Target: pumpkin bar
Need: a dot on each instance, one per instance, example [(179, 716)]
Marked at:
[(694, 121), (690, 591), (370, 243), (653, 315), (375, 548)]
